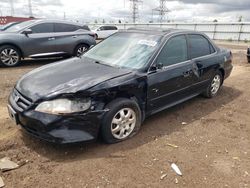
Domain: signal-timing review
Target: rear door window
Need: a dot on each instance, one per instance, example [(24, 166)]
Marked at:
[(43, 28), (175, 51), (110, 28), (61, 27), (199, 46), (85, 27)]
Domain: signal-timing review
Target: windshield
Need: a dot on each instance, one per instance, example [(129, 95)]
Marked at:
[(19, 26), (128, 50)]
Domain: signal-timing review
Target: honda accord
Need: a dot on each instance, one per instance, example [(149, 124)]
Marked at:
[(113, 87)]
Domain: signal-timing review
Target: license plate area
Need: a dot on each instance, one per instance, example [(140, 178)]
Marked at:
[(12, 114)]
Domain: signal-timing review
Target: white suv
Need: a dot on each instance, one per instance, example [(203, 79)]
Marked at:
[(102, 32)]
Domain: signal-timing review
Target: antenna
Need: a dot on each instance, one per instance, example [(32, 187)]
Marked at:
[(162, 10), (30, 8), (135, 9), (11, 8)]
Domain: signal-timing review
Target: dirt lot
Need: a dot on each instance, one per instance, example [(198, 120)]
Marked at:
[(214, 145)]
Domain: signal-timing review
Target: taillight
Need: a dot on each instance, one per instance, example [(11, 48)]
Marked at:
[(231, 55), (92, 35)]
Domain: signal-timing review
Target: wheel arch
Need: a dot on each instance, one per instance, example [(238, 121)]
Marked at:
[(131, 96), (14, 45), (222, 71), (78, 44)]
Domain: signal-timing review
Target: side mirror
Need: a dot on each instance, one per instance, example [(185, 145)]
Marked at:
[(156, 67), (27, 31), (159, 65)]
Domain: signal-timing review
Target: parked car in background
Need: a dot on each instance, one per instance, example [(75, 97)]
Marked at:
[(43, 38), (8, 25), (248, 54), (102, 32), (114, 86)]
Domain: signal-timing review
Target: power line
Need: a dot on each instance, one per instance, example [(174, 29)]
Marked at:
[(162, 10), (135, 9)]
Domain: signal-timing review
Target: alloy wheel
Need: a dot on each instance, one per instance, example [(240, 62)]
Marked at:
[(81, 50), (215, 86), (9, 57), (123, 123)]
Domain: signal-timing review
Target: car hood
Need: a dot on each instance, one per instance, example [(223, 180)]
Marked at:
[(68, 76)]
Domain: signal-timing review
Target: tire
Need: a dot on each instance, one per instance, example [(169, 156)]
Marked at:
[(10, 56), (214, 86), (80, 49), (129, 126)]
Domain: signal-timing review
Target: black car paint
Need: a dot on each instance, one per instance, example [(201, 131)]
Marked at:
[(82, 77), (248, 54)]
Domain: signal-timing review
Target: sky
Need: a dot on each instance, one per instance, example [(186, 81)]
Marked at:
[(114, 10)]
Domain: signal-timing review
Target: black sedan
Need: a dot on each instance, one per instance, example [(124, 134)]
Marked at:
[(112, 88), (248, 54)]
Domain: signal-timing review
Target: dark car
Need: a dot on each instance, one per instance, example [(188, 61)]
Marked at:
[(43, 38), (114, 86), (8, 25)]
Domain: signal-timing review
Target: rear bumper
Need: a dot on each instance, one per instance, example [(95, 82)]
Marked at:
[(60, 129), (228, 71)]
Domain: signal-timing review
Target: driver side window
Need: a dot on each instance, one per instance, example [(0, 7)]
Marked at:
[(175, 51)]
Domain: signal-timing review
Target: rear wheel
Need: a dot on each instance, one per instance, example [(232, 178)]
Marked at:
[(122, 121), (214, 86), (80, 50), (10, 56)]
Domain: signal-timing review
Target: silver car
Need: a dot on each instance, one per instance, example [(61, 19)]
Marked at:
[(43, 38)]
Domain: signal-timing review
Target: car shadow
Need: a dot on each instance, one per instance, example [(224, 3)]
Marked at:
[(159, 125)]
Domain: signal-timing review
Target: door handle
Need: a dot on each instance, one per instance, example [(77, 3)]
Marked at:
[(187, 73), (155, 90), (74, 36), (51, 38)]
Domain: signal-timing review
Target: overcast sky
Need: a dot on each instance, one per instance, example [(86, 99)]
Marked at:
[(89, 10)]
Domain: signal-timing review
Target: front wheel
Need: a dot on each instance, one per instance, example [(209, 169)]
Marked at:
[(9, 56), (214, 86), (122, 121)]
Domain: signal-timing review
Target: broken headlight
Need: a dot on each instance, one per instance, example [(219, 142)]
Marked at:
[(64, 106)]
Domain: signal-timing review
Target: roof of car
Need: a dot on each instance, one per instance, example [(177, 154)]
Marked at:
[(158, 30), (57, 21)]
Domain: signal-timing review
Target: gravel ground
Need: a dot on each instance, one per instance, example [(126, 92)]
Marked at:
[(213, 144)]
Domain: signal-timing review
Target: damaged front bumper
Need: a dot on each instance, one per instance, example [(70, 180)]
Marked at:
[(62, 129)]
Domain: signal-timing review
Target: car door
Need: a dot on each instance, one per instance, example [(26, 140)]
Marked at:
[(66, 37), (41, 40), (101, 32), (110, 30), (204, 58), (172, 82)]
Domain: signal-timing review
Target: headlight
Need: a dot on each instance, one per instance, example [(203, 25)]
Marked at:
[(64, 106)]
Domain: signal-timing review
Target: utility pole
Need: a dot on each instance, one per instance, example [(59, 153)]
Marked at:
[(162, 10), (64, 15), (30, 8), (135, 9), (11, 8)]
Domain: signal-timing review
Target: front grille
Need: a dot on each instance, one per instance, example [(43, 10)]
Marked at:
[(22, 102)]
